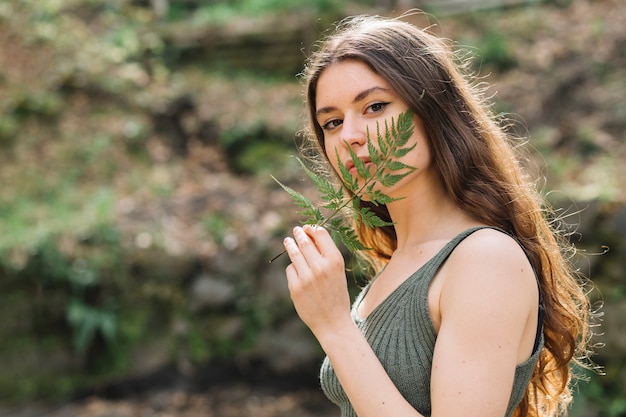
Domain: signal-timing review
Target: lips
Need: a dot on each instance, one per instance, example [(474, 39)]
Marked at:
[(350, 163)]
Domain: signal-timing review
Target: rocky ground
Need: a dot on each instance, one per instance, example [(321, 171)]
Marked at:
[(216, 390), (224, 401)]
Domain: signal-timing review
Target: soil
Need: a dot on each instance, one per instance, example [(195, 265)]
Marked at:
[(236, 400), (217, 390)]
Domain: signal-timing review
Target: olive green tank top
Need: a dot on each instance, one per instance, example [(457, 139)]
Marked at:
[(402, 335)]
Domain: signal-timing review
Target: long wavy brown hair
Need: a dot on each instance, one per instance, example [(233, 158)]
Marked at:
[(481, 173)]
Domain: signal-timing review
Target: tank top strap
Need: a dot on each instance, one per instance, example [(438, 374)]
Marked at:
[(437, 260)]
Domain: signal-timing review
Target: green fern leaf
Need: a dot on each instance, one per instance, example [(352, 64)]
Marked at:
[(370, 219), (310, 210), (347, 236), (368, 184), (381, 140), (398, 166), (299, 199), (400, 152), (375, 156), (403, 129), (325, 187), (349, 181), (361, 169), (389, 180), (378, 198)]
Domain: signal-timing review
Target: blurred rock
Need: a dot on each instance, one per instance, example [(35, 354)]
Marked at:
[(207, 292), (286, 347)]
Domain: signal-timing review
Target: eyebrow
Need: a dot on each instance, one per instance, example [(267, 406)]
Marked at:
[(362, 95)]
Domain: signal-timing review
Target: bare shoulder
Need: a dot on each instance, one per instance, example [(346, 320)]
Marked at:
[(489, 264), (490, 245)]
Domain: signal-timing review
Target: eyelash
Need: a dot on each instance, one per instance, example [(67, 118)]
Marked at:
[(331, 124), (382, 105)]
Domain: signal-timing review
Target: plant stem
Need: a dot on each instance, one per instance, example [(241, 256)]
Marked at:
[(278, 256), (394, 137), (343, 205)]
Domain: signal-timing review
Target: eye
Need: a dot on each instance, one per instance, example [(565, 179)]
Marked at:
[(331, 124), (376, 107)]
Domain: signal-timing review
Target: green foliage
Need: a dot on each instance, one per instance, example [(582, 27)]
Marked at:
[(216, 226), (261, 157), (387, 170), (602, 393), (253, 149), (79, 270), (31, 219), (490, 44), (495, 51), (87, 321), (222, 11), (61, 143), (61, 286)]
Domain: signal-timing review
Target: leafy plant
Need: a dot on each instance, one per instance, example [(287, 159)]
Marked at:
[(387, 170), (87, 320)]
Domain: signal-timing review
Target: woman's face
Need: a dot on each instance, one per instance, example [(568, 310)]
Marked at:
[(351, 99)]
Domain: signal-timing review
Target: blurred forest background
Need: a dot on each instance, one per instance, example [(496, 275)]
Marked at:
[(137, 212)]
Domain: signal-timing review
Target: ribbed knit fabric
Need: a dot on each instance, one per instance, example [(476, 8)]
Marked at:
[(402, 335)]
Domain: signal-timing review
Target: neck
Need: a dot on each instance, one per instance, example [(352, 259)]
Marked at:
[(427, 215)]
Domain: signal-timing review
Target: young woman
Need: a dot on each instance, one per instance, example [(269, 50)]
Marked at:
[(453, 323)]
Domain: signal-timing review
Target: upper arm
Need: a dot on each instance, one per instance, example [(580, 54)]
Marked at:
[(487, 305)]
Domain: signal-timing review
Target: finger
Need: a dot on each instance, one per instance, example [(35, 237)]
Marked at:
[(306, 244), (298, 261), (292, 277), (322, 239)]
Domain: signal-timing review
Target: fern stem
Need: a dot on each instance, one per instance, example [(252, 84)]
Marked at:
[(278, 256), (343, 205), (396, 136)]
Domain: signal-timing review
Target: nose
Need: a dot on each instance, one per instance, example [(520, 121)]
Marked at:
[(353, 132)]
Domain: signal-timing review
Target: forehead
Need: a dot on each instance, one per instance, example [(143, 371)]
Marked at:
[(345, 80)]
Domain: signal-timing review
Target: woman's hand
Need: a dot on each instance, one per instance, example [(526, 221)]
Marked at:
[(317, 280)]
